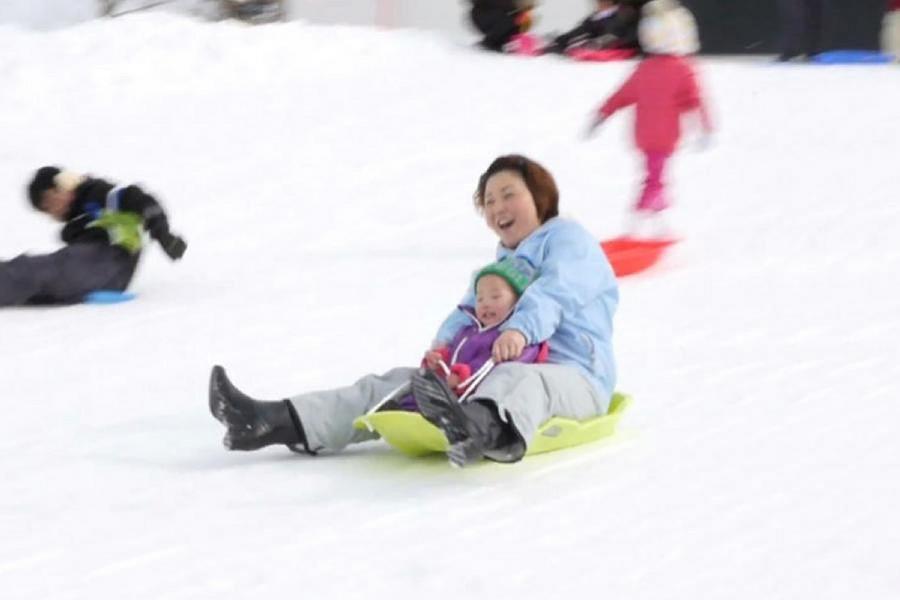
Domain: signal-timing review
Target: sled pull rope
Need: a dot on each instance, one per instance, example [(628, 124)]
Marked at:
[(403, 388), (444, 368), (472, 382)]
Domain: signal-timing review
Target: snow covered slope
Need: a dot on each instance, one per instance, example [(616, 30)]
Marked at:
[(322, 176)]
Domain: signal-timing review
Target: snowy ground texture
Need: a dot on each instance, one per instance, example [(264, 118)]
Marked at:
[(322, 176)]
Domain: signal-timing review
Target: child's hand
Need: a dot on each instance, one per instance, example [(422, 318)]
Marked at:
[(508, 346), (433, 359), (172, 245)]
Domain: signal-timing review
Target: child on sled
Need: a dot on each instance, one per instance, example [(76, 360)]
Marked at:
[(467, 359), (570, 304)]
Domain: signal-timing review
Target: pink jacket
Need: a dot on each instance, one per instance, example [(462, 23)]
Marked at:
[(663, 87)]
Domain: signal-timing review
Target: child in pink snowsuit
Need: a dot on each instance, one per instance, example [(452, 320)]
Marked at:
[(663, 87)]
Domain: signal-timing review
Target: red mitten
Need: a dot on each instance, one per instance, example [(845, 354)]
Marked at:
[(462, 372), (543, 352), (441, 354), (444, 351)]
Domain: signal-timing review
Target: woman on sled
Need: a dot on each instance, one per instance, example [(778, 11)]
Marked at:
[(569, 303)]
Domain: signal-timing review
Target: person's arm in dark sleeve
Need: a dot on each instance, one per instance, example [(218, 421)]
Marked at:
[(563, 41), (134, 199), (625, 28), (77, 230)]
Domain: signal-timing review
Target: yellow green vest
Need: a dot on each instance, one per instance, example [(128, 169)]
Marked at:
[(123, 228)]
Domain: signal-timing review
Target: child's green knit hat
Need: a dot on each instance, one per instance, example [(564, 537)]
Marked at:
[(516, 271)]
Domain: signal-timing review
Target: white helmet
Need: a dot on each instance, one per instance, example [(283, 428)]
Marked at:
[(667, 27)]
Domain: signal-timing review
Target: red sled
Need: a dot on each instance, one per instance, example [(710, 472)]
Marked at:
[(525, 44), (632, 255), (601, 55)]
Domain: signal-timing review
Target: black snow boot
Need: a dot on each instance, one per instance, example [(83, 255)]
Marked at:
[(253, 424), (474, 429)]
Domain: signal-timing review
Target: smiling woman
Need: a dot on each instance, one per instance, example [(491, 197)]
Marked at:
[(569, 303), (521, 196)]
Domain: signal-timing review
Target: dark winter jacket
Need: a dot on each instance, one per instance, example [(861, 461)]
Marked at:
[(612, 28), (106, 214), (635, 5), (499, 21), (508, 6)]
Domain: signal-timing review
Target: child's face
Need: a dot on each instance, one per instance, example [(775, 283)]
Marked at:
[(494, 299), (56, 203)]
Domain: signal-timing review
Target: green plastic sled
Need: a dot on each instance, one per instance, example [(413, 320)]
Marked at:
[(411, 434)]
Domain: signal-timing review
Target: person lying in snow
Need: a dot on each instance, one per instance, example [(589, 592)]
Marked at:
[(500, 20), (102, 233), (254, 11), (570, 304), (610, 25)]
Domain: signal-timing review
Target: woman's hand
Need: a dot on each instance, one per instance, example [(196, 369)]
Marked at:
[(433, 359), (508, 346)]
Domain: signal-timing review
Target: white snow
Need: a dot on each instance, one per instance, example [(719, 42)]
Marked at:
[(323, 176), (47, 14), (448, 16)]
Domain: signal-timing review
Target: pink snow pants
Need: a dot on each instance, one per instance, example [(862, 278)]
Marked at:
[(653, 195)]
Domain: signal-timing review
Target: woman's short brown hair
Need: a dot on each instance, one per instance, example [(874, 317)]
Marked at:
[(537, 179)]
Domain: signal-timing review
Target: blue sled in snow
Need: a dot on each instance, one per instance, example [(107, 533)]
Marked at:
[(852, 57), (108, 297)]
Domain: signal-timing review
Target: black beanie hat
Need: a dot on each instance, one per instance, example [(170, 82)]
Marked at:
[(43, 180)]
